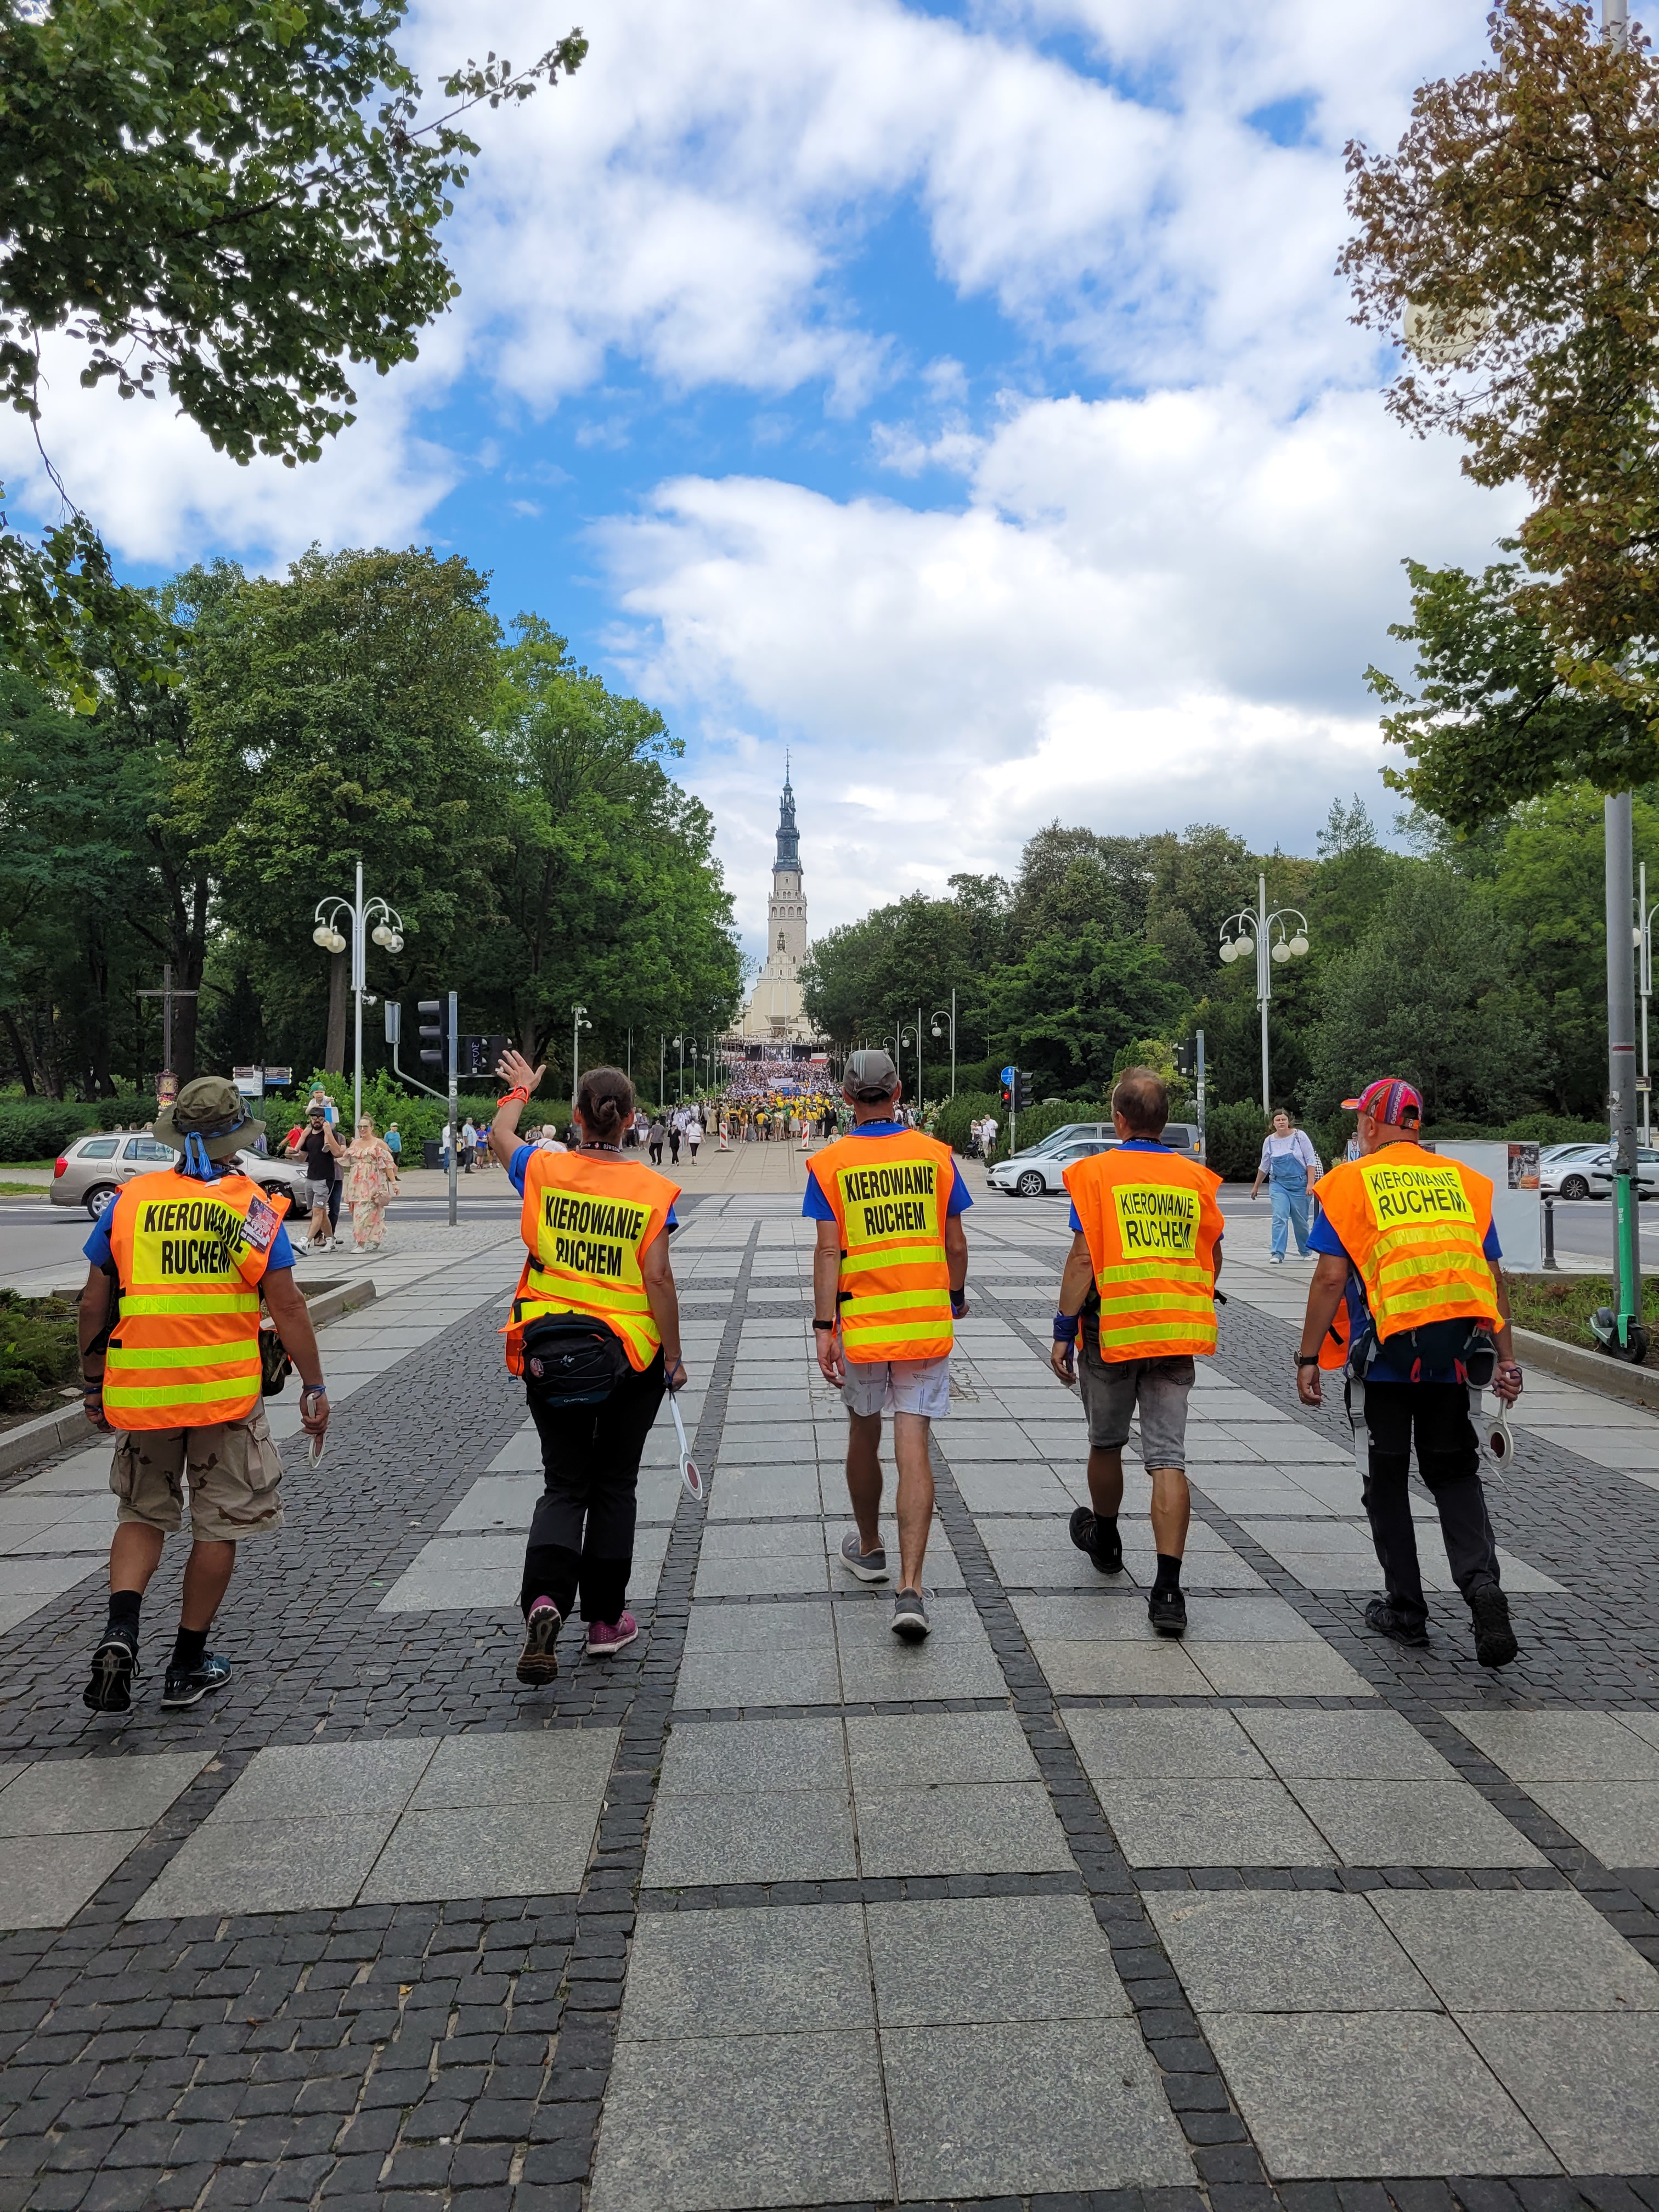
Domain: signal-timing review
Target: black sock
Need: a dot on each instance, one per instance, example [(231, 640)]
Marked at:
[(124, 1607), (188, 1646), (1169, 1573)]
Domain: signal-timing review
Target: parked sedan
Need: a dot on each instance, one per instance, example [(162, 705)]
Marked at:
[(1028, 1175), (1599, 1174), (1564, 1169), (93, 1169)]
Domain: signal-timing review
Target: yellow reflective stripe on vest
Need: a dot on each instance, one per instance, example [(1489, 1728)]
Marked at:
[(186, 1355), (190, 1303), (1141, 1331), (896, 1332), (916, 1252), (230, 1391)]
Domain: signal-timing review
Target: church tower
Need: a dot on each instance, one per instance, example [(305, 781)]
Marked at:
[(775, 1011)]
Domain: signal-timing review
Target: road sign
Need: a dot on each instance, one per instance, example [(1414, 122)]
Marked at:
[(1009, 1073)]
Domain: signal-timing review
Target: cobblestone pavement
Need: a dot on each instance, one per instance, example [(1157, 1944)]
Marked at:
[(769, 1911)]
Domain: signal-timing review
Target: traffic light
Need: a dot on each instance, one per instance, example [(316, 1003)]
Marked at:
[(478, 1054), (435, 1031), (1022, 1089), (1008, 1096)]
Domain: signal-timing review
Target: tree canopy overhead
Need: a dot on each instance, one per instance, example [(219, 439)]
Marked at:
[(235, 198), (1513, 237)]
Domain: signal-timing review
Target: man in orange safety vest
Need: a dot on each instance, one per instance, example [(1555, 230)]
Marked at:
[(888, 1279), (1406, 1244)]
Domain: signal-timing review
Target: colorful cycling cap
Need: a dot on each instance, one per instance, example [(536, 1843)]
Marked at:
[(1391, 1098)]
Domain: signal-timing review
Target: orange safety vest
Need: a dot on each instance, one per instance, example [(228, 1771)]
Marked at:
[(1413, 1225), (588, 1219), (890, 1196), (1151, 1223), (189, 1256)]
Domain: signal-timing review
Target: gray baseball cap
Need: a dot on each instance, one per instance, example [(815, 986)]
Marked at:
[(869, 1075)]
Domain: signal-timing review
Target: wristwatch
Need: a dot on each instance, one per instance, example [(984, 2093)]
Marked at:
[(829, 1325), (1307, 1359)]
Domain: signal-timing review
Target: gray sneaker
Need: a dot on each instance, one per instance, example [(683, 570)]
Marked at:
[(909, 1616), (868, 1566)]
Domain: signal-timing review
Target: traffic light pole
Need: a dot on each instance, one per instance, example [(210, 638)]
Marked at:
[(1203, 1133), (454, 1024)]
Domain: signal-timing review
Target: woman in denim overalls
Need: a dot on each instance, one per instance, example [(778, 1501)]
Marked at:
[(1289, 1166)]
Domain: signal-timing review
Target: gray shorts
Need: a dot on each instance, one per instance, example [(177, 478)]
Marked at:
[(317, 1196), (1112, 1390)]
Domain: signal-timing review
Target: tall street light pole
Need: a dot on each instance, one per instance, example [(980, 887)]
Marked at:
[(1272, 940), (939, 1016), (387, 931)]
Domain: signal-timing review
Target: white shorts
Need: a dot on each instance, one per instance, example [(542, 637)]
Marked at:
[(898, 1386)]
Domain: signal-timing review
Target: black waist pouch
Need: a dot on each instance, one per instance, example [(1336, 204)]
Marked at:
[(571, 1360), (1459, 1350)]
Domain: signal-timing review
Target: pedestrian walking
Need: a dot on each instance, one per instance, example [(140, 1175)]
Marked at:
[(676, 1130), (320, 1148), (693, 1135), (170, 1362), (1289, 1168), (394, 1145), (1406, 1244), (469, 1144), (656, 1137), (888, 1284), (1137, 1305), (595, 1333), (371, 1184)]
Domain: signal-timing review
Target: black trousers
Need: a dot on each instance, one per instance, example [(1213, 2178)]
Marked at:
[(581, 1538), (1449, 1459)]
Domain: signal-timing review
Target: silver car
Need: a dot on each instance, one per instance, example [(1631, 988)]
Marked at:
[(92, 1169)]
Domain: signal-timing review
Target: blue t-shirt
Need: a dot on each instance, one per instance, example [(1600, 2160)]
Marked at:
[(1129, 1144), (521, 1160), (1322, 1237), (96, 1248), (816, 1207)]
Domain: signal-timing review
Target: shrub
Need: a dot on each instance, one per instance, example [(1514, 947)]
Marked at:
[(37, 1348)]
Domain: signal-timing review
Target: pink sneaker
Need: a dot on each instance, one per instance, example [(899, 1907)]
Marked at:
[(605, 1637)]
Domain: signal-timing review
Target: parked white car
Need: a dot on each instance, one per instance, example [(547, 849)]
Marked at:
[(1564, 1169), (1028, 1175), (92, 1169), (1598, 1173)]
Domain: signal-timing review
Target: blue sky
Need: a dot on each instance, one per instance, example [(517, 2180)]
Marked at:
[(959, 395)]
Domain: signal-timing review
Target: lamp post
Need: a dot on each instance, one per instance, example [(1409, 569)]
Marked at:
[(1644, 988), (679, 1047), (579, 1022), (1254, 931), (939, 1015), (386, 932)]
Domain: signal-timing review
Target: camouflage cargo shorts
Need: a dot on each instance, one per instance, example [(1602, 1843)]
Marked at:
[(233, 1469)]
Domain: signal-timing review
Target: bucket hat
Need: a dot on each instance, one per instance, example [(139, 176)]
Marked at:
[(212, 1108)]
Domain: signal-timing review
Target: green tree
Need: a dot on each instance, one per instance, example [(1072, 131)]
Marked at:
[(1515, 236), (869, 975), (607, 891), (1428, 993), (1492, 719), (341, 714), (234, 202), (1076, 1000)]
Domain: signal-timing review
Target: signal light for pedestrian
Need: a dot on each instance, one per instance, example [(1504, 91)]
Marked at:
[(477, 1055), (1022, 1089), (1185, 1060), (1008, 1096), (435, 1031)]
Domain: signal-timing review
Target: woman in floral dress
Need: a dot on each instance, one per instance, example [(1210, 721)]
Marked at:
[(371, 1184)]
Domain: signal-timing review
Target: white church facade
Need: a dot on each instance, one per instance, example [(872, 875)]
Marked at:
[(775, 1014)]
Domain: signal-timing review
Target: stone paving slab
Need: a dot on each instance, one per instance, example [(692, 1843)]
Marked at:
[(778, 2036)]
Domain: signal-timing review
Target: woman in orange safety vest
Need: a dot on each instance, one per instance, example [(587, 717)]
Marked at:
[(595, 1333)]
